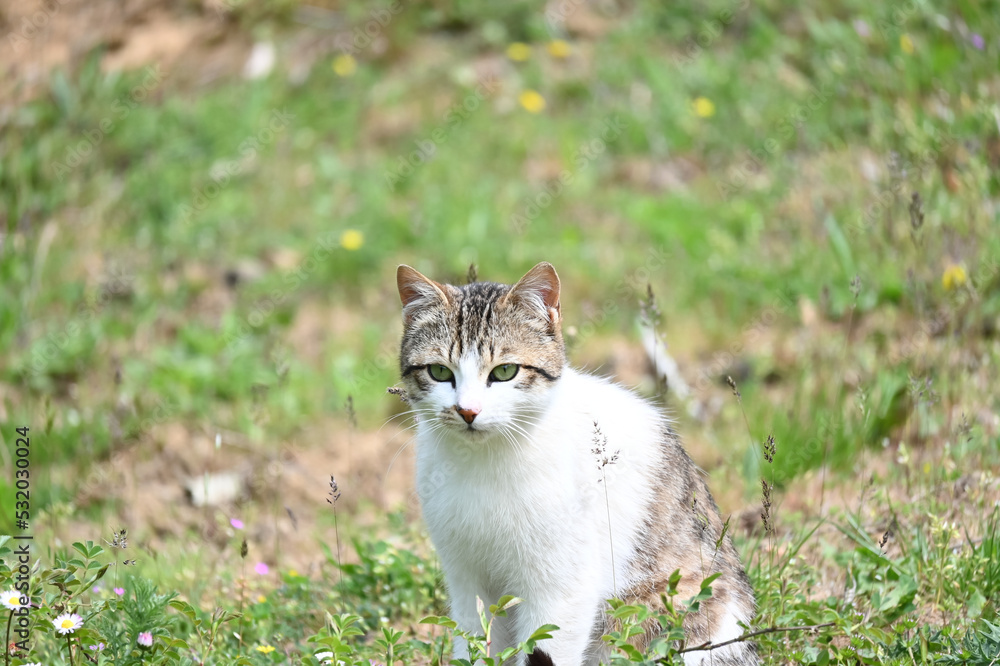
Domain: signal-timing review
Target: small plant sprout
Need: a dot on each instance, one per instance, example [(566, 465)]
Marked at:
[(600, 451)]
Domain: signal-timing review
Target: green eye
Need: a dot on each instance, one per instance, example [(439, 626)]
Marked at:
[(440, 373), (504, 373)]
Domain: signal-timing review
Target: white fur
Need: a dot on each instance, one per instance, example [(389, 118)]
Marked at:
[(524, 513)]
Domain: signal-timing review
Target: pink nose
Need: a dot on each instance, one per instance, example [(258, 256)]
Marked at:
[(468, 414)]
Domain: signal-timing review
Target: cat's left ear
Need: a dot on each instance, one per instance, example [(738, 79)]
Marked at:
[(539, 289)]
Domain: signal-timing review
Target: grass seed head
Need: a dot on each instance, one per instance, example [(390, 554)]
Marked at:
[(334, 493), (769, 449), (352, 416)]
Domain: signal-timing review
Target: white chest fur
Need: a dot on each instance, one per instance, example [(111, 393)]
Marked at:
[(530, 515)]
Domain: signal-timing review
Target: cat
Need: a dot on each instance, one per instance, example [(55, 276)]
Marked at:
[(558, 487)]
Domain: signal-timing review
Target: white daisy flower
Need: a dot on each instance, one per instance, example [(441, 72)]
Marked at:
[(11, 599), (67, 623)]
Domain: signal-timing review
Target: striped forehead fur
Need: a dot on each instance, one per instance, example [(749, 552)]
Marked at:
[(497, 322)]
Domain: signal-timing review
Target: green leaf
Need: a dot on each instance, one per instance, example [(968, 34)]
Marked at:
[(840, 245), (176, 643), (630, 651), (100, 574), (625, 611), (439, 620), (543, 632), (506, 654), (186, 609), (500, 608), (392, 636), (707, 583)]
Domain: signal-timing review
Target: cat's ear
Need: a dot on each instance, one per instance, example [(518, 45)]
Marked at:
[(417, 291), (539, 290)]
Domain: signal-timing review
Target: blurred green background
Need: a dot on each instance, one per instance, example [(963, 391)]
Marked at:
[(203, 205)]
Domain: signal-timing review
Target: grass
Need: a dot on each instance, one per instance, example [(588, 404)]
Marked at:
[(182, 262)]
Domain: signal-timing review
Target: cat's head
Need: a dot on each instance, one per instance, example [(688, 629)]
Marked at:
[(483, 357)]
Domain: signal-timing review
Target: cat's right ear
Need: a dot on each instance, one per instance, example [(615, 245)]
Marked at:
[(417, 291)]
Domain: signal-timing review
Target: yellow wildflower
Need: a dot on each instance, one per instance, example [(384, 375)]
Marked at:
[(345, 65), (906, 43), (293, 572), (352, 239), (703, 107), (559, 48), (954, 277), (265, 648), (261, 598), (519, 51), (532, 101)]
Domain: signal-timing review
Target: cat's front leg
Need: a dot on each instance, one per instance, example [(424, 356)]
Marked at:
[(465, 612), (576, 619)]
